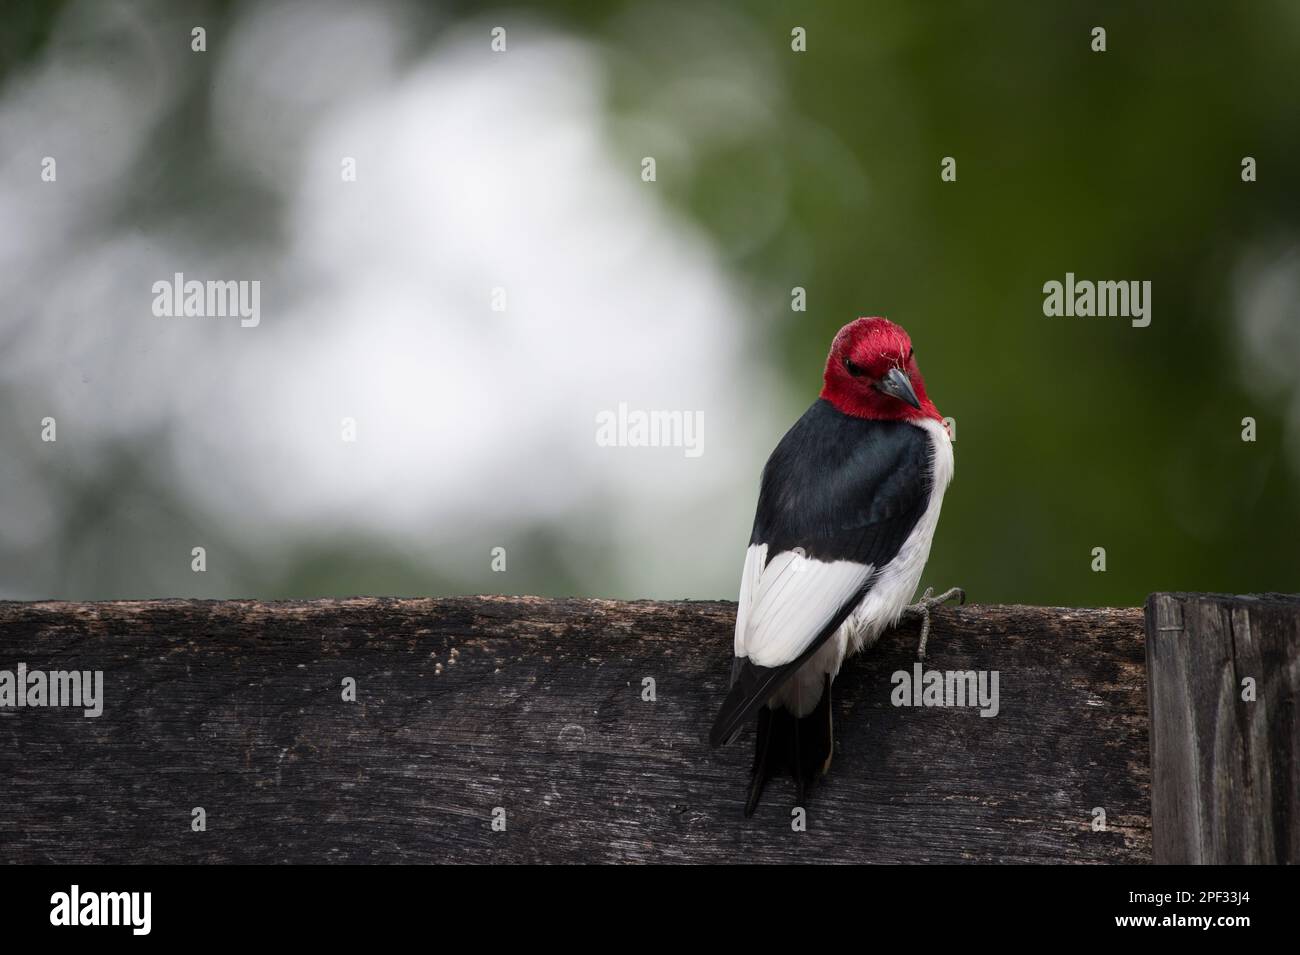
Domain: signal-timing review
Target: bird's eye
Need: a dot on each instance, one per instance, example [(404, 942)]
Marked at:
[(853, 368), (909, 354)]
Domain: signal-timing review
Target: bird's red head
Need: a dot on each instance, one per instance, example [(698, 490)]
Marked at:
[(871, 373)]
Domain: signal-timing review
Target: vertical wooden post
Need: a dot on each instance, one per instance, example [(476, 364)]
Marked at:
[(1224, 683)]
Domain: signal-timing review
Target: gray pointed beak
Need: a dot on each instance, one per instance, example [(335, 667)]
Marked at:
[(896, 385)]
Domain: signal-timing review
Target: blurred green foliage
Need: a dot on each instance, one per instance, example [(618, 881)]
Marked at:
[(1072, 433)]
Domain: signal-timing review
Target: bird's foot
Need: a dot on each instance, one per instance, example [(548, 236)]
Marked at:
[(923, 607)]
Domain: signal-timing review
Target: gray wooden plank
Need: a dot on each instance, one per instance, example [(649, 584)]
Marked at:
[(466, 704), (1225, 769)]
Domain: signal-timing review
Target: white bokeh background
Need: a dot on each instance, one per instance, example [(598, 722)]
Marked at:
[(474, 426)]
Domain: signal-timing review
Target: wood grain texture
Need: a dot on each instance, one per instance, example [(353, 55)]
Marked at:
[(466, 704), (1225, 770)]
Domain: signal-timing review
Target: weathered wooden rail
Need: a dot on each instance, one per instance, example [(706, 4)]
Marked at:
[(536, 707), (536, 712)]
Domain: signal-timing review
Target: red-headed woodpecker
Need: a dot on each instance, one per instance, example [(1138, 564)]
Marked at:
[(847, 508)]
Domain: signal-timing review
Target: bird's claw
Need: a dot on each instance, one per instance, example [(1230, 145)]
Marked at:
[(923, 607)]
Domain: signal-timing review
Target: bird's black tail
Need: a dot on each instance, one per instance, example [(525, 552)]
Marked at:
[(800, 745)]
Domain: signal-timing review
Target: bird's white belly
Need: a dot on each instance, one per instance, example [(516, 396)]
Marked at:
[(888, 597)]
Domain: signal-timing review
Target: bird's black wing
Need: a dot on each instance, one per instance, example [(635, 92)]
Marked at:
[(838, 499)]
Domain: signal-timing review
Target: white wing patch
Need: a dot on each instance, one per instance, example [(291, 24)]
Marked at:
[(784, 606)]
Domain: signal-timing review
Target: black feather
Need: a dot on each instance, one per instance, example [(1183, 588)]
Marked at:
[(844, 488), (803, 746)]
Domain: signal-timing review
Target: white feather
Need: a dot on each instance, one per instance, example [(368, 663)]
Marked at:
[(795, 600), (753, 569)]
